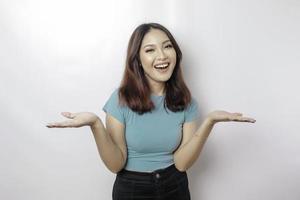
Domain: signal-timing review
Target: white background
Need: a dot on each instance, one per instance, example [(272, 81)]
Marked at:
[(63, 55)]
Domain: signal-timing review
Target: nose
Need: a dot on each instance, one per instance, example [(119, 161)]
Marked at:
[(161, 55)]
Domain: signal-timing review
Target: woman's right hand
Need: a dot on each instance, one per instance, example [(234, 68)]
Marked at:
[(77, 120)]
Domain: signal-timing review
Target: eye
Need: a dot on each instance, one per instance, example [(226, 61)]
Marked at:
[(169, 46), (149, 50)]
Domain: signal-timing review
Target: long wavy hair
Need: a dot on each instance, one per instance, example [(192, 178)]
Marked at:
[(134, 90)]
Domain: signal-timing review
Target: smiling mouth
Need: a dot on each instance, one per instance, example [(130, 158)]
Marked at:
[(162, 66)]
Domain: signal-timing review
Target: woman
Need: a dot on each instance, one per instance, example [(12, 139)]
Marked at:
[(151, 137)]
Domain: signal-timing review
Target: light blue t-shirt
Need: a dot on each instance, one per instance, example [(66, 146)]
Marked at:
[(151, 138)]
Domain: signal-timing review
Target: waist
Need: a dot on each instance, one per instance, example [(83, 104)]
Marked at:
[(148, 162), (159, 173)]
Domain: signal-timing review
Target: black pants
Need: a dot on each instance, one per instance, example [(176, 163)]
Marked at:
[(162, 184)]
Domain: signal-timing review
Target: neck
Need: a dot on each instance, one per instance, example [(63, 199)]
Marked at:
[(158, 89)]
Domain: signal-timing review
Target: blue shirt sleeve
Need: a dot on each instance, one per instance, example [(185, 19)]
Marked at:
[(192, 111), (113, 108)]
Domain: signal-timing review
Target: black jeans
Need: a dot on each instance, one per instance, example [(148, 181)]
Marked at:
[(162, 184)]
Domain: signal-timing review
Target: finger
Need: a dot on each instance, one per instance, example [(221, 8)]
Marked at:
[(251, 120), (53, 125), (236, 113), (248, 119), (68, 115), (64, 124), (245, 119)]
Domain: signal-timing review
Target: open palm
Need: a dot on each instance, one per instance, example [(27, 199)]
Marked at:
[(223, 116), (76, 120)]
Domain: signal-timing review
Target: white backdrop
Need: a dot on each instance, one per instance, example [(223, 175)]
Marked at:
[(63, 55)]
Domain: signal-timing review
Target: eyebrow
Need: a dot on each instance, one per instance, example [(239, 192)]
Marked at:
[(153, 44)]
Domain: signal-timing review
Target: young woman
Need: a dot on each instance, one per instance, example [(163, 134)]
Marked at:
[(151, 137)]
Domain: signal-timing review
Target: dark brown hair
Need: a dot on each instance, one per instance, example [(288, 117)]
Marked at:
[(134, 90)]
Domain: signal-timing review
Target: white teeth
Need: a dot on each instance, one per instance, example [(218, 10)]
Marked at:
[(162, 66)]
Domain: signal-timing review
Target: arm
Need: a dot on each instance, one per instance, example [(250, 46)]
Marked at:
[(109, 152), (186, 155), (188, 152)]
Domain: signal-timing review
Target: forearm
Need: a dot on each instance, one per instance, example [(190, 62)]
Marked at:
[(109, 152), (188, 154)]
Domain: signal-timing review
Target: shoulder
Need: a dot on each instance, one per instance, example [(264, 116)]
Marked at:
[(192, 110), (114, 96), (193, 103), (115, 93)]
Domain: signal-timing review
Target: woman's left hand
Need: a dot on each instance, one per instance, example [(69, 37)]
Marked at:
[(223, 116)]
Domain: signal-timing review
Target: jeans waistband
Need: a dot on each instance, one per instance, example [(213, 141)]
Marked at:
[(159, 173)]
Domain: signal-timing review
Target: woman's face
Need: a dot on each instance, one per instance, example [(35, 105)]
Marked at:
[(157, 55)]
